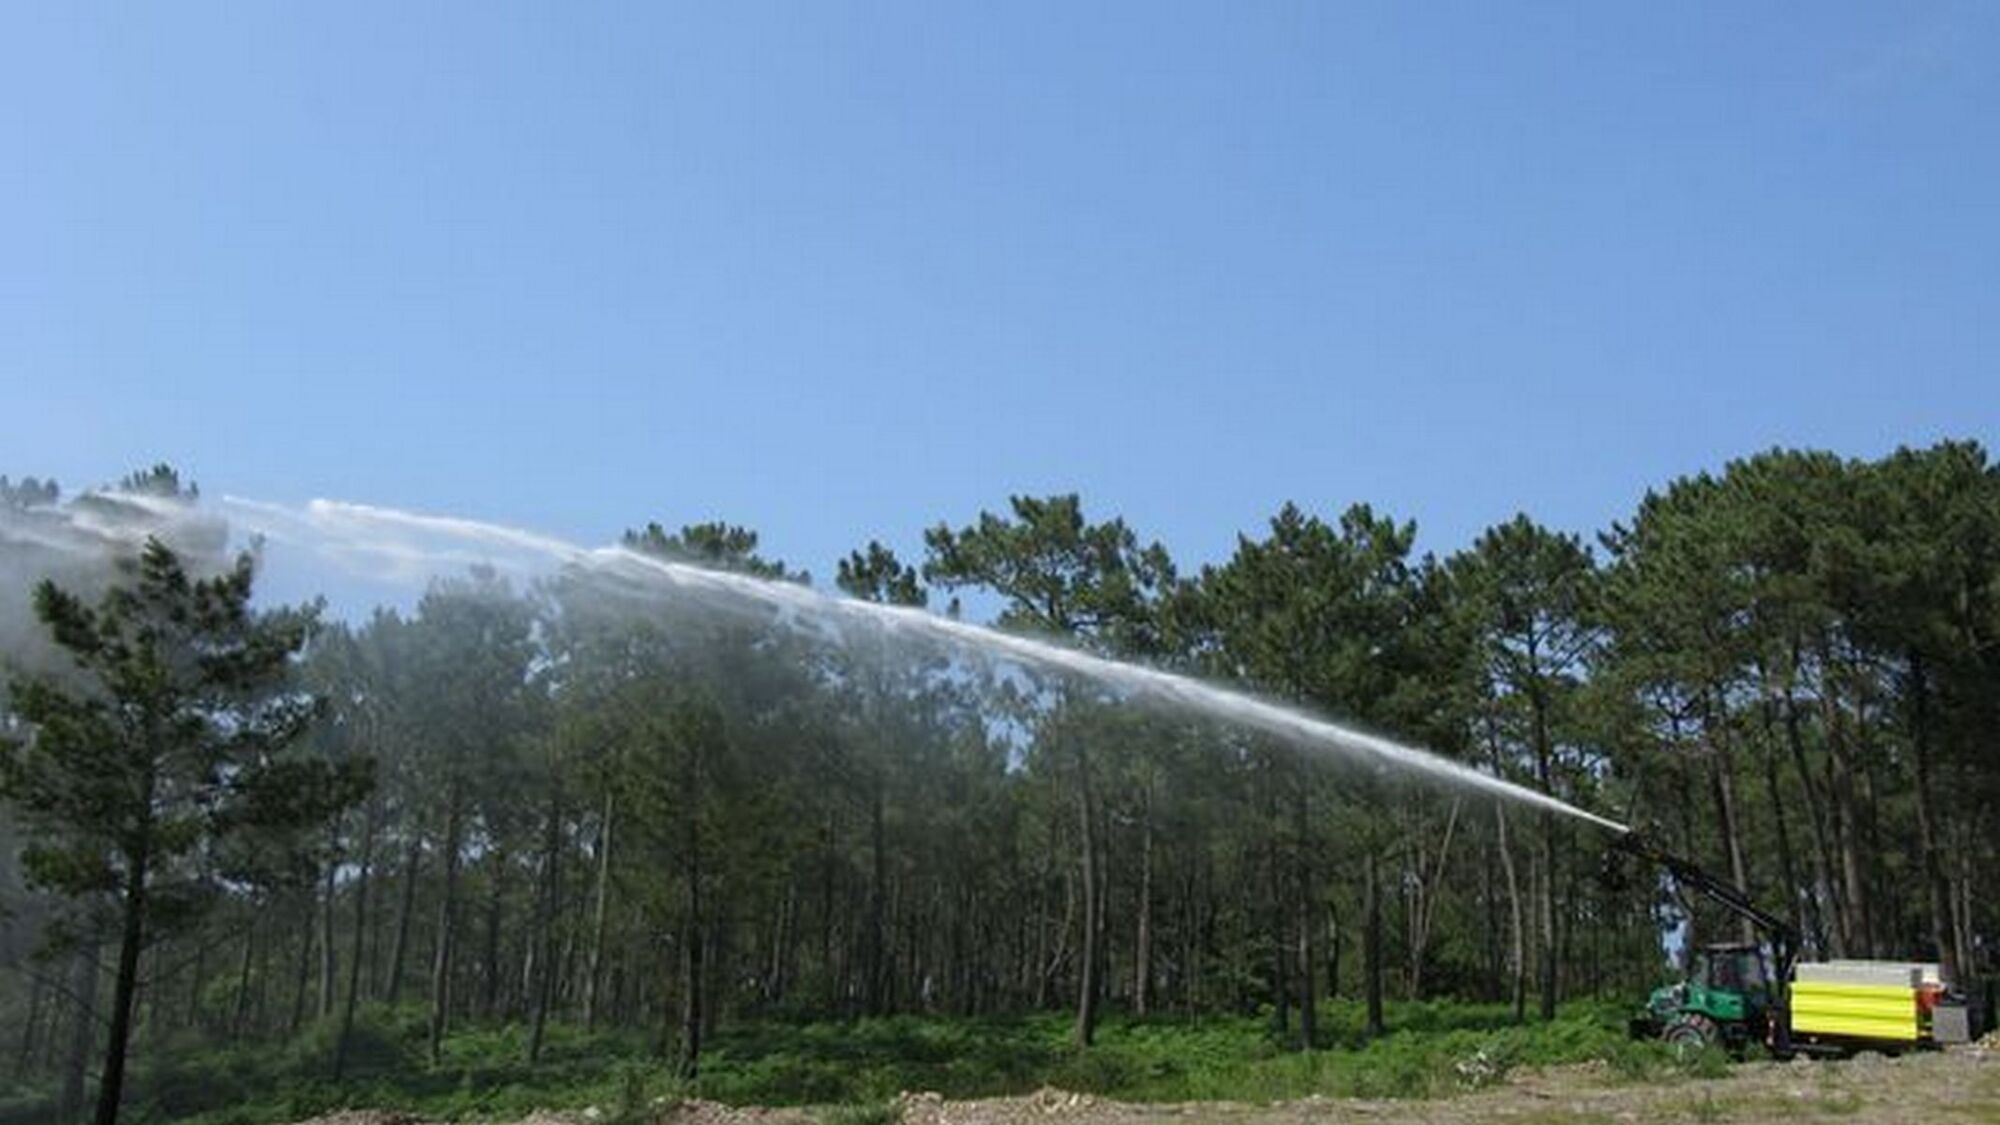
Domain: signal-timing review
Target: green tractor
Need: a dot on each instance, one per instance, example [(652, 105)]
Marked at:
[(1733, 996), (1726, 1001)]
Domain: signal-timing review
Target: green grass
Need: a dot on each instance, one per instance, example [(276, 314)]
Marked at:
[(1433, 1049)]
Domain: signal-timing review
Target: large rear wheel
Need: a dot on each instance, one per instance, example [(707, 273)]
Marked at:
[(1691, 1033)]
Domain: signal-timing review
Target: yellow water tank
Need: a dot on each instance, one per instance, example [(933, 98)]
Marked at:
[(1877, 1000)]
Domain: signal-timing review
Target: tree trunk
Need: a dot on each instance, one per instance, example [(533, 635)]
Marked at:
[(1430, 888), (392, 988), (489, 990), (1545, 769), (260, 1011), (1860, 930), (196, 978), (1722, 781), (1333, 942), (329, 964), (875, 961), (1963, 916), (1281, 976), (1547, 902), (1787, 870), (1721, 778), (31, 1030), (361, 884), (1833, 929), (1944, 932), (241, 1012), (1142, 955), (694, 1016), (447, 924), (1489, 898), (1517, 927), (544, 988), (1087, 984), (594, 970), (83, 1032), (829, 842), (132, 939), (1371, 944), (302, 977), (1308, 917)]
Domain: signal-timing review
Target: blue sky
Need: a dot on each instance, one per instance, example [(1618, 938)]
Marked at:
[(842, 271)]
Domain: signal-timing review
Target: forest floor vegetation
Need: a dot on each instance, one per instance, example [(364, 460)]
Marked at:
[(1442, 1060)]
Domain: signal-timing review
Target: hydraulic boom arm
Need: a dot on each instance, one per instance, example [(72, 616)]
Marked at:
[(1729, 896), (1717, 889)]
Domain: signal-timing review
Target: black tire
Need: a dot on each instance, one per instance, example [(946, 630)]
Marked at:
[(1691, 1033)]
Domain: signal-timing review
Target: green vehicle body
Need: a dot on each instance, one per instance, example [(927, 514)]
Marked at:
[(1727, 1001), (1733, 996), (1743, 994)]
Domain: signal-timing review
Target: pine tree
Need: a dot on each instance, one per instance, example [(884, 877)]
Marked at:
[(164, 768)]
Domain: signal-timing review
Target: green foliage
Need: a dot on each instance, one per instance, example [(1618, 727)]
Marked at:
[(711, 828), (859, 1067), (1709, 1062)]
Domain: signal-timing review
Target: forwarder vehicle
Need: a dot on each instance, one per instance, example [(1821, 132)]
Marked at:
[(1736, 995)]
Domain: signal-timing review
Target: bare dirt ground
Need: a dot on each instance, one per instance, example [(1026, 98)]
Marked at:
[(1960, 1085)]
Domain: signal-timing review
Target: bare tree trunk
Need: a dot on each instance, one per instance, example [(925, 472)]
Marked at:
[(1087, 983), (829, 841), (1430, 888), (1963, 915), (1517, 923), (391, 989), (1333, 944), (874, 961), (595, 966), (1308, 917), (1943, 930), (83, 1030), (1371, 943), (694, 1016), (260, 999), (489, 990), (308, 944), (447, 924), (1860, 935), (111, 1084), (1142, 967), (30, 1029), (545, 925), (1722, 780), (197, 978), (1545, 770), (1281, 977), (242, 1009), (1787, 868), (329, 965), (361, 884), (1547, 903), (1834, 928)]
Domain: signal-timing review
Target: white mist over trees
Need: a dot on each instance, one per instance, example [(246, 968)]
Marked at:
[(599, 806)]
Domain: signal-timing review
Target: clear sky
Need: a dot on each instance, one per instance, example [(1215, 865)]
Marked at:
[(844, 270)]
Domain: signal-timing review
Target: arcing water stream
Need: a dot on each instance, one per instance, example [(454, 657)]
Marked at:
[(348, 534)]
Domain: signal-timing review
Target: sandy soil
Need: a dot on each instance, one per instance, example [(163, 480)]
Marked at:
[(1960, 1085)]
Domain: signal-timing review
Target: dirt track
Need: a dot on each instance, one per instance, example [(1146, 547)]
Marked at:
[(1962, 1085)]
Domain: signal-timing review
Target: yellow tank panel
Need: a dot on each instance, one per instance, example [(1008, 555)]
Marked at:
[(1867, 1010)]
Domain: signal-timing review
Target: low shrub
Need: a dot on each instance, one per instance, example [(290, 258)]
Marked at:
[(1434, 1048)]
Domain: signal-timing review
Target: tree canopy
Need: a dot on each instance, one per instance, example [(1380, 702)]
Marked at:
[(605, 806)]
